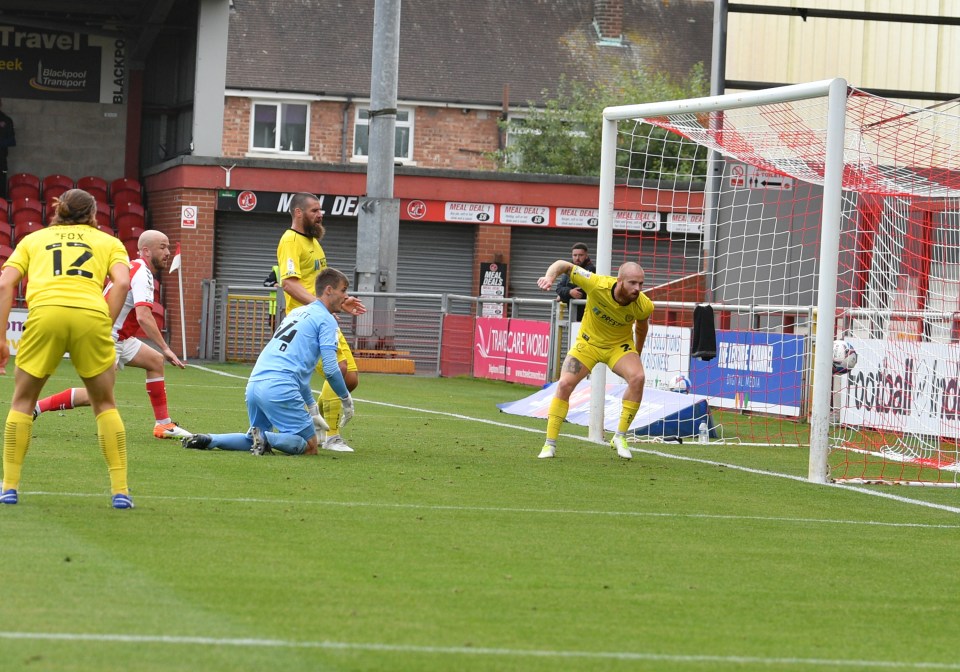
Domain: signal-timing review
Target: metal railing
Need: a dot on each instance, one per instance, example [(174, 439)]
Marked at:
[(236, 322)]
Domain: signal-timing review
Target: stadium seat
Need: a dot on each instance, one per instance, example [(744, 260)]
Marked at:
[(106, 228), (105, 215), (132, 250), (23, 185), (131, 233), (127, 222), (95, 186), (125, 190), (25, 228), (23, 191), (5, 252), (54, 186), (129, 208), (26, 210), (4, 210), (6, 234)]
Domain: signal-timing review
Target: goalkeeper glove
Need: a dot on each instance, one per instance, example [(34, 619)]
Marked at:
[(347, 412), (319, 424)]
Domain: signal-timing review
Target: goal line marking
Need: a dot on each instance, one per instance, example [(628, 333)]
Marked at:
[(471, 650), (685, 458), (504, 509)]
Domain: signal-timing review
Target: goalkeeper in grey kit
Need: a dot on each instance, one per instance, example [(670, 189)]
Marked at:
[(278, 392)]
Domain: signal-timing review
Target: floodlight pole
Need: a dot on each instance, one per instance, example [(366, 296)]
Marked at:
[(378, 222)]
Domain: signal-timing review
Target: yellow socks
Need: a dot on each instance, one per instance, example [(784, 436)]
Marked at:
[(555, 417), (113, 445), (16, 443), (627, 414), (331, 407)]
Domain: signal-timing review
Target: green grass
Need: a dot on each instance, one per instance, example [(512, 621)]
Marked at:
[(444, 544)]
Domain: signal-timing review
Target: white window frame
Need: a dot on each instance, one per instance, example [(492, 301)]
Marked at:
[(277, 150), (408, 125)]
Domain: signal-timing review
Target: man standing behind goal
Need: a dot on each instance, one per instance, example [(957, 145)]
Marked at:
[(613, 331)]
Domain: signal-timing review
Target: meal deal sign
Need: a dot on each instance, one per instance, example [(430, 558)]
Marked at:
[(532, 215), (469, 212), (513, 350)]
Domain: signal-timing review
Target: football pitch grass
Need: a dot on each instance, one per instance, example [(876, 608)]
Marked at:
[(444, 544)]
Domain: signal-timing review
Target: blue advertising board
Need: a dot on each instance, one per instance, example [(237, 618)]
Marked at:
[(753, 371)]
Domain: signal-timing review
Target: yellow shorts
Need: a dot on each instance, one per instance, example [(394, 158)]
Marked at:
[(51, 331), (344, 354), (590, 354)]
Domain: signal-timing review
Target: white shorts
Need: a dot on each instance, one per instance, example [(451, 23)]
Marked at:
[(127, 350)]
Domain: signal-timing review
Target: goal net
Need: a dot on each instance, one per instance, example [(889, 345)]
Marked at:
[(803, 216)]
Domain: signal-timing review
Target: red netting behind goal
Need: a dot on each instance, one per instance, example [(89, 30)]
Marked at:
[(895, 417)]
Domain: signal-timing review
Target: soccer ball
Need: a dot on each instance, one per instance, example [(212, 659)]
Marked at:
[(844, 357), (680, 383)]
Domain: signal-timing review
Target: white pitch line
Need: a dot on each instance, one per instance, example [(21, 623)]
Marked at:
[(503, 509), (475, 650), (685, 458)]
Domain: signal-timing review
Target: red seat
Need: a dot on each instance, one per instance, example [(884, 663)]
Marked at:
[(132, 250), (106, 228), (4, 210), (23, 185), (26, 210), (95, 186), (129, 207), (104, 213), (125, 190), (54, 186), (128, 225), (131, 233), (5, 252), (24, 229), (6, 234), (23, 191)]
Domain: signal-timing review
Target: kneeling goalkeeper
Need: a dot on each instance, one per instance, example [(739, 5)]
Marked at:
[(278, 392)]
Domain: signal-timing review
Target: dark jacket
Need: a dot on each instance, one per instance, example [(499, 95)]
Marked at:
[(564, 286), (8, 137)]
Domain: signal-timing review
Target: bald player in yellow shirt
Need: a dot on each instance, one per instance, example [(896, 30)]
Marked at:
[(612, 332), (300, 258), (67, 263)]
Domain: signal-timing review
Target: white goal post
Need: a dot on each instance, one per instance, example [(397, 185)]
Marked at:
[(852, 241)]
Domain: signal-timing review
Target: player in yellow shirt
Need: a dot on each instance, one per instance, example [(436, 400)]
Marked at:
[(300, 258), (612, 332), (67, 264)]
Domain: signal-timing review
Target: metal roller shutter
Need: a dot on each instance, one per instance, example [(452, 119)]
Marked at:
[(532, 250), (435, 258), (246, 246)]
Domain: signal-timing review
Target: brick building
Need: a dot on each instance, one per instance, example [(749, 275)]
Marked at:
[(232, 105)]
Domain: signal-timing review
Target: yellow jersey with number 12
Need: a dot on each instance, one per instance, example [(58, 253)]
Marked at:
[(605, 321), (67, 265)]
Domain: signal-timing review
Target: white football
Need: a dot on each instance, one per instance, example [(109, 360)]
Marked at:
[(680, 383), (844, 357)]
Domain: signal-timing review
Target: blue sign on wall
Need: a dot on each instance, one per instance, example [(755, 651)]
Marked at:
[(753, 371)]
